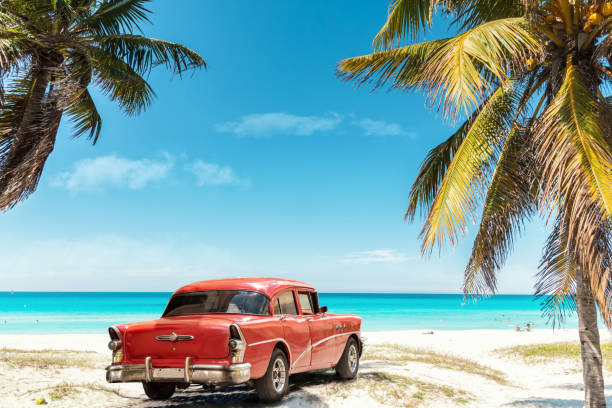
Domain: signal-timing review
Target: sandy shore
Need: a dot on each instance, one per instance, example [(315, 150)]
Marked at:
[(402, 368)]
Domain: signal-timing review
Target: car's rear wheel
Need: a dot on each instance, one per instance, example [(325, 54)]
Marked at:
[(274, 384), (348, 365), (158, 390)]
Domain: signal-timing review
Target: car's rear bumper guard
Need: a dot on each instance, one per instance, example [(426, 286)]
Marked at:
[(191, 373)]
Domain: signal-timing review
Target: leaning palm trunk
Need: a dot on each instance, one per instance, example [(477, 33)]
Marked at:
[(51, 53), (34, 137), (589, 345)]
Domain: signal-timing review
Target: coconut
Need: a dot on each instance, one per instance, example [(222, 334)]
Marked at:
[(595, 18), (531, 64), (606, 9)]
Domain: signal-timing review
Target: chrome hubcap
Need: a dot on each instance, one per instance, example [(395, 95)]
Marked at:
[(352, 357), (279, 375)]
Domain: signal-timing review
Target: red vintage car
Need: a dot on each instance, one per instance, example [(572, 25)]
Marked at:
[(231, 331)]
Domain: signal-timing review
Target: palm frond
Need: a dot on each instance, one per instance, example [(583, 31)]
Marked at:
[(406, 63), (471, 13), (457, 73), (556, 284), (574, 137), (114, 17), (121, 83), (143, 53), (509, 203), (406, 18), (85, 116), (468, 174), (432, 171)]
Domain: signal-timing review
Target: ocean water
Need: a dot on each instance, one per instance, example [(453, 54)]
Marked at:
[(93, 312)]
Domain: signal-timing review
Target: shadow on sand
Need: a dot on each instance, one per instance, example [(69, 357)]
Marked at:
[(550, 403), (244, 396)]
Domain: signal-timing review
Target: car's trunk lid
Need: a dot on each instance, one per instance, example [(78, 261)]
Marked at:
[(155, 338)]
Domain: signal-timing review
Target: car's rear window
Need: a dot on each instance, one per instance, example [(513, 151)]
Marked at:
[(218, 301)]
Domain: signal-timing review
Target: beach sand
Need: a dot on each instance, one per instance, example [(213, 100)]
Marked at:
[(401, 368)]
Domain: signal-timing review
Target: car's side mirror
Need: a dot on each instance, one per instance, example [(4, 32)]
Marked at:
[(323, 309)]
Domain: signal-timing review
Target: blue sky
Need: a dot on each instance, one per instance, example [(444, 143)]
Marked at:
[(264, 164)]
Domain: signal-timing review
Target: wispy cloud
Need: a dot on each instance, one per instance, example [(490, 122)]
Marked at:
[(376, 256), (113, 171), (373, 127), (267, 124), (212, 174), (108, 262)]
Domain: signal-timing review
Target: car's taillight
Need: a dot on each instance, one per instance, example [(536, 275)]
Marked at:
[(237, 344), (115, 344)]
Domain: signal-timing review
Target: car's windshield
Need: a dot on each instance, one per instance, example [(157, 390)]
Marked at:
[(218, 301)]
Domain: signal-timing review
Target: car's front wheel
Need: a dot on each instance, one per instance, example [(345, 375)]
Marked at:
[(274, 384), (159, 390), (348, 365)]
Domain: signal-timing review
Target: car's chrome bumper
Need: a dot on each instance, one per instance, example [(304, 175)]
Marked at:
[(191, 373)]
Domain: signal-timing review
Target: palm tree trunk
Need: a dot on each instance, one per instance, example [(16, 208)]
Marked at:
[(589, 345)]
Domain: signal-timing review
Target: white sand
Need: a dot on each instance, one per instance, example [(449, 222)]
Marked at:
[(546, 384)]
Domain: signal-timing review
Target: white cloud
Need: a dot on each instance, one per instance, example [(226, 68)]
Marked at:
[(266, 124), (373, 127), (211, 174), (376, 256), (113, 171)]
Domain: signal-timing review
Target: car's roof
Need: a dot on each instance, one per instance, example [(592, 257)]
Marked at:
[(268, 286)]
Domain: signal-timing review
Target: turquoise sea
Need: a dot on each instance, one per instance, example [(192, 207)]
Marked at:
[(93, 312)]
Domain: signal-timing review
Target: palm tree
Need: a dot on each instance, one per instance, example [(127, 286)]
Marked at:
[(528, 80), (51, 51)]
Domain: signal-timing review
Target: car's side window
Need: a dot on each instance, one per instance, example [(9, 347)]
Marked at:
[(277, 308), (287, 303), (314, 296), (305, 303)]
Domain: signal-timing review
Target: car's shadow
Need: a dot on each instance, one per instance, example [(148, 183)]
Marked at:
[(244, 396)]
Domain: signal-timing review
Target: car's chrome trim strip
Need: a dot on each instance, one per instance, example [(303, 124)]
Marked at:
[(174, 337), (318, 343), (273, 340)]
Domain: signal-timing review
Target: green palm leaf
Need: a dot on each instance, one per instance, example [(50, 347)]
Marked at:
[(85, 116), (434, 167), (115, 17), (402, 66), (142, 53), (466, 177), (457, 73), (406, 18), (121, 83), (508, 204), (573, 137)]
